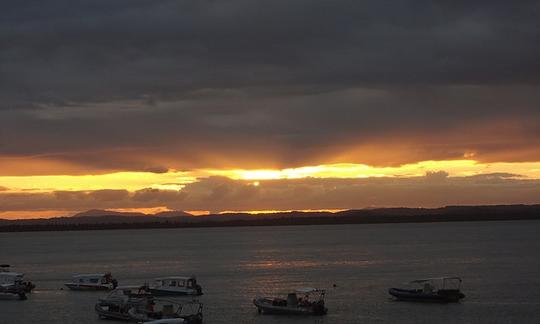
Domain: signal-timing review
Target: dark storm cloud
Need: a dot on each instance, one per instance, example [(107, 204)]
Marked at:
[(155, 84), (62, 51)]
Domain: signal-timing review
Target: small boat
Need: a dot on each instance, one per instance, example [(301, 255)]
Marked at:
[(303, 301), (119, 301), (98, 281), (12, 284), (177, 285), (441, 290), (167, 311)]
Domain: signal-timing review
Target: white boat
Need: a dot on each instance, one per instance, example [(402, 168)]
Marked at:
[(96, 281), (177, 285), (303, 301), (168, 311), (119, 301)]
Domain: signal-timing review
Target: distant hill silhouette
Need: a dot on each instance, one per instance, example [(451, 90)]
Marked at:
[(173, 213), (109, 213), (102, 219)]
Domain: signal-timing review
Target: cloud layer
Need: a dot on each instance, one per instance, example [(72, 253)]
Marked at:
[(95, 87), (152, 85), (220, 194)]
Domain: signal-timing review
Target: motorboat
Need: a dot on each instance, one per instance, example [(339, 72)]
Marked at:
[(119, 301), (167, 311), (303, 301), (12, 284), (442, 290), (177, 285), (97, 281)]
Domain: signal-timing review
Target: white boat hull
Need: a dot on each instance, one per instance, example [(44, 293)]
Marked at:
[(91, 287)]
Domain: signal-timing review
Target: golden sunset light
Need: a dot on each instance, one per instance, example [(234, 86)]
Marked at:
[(150, 193)]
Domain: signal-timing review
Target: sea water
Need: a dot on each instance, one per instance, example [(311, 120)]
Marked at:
[(498, 261)]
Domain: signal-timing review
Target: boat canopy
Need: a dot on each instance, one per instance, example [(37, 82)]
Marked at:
[(11, 274), (442, 282)]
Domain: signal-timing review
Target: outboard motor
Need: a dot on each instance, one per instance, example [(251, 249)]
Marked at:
[(292, 300), (28, 286)]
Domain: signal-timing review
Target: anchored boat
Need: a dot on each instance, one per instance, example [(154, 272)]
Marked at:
[(303, 301), (98, 281), (442, 290), (117, 304), (167, 311), (177, 285), (12, 284)]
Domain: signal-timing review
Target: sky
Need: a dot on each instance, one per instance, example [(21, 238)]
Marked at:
[(249, 105)]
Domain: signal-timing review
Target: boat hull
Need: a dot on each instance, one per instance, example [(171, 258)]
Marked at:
[(12, 292), (267, 308), (415, 295), (11, 296), (87, 287), (104, 311)]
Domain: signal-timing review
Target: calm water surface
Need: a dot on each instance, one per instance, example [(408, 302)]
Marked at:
[(499, 262)]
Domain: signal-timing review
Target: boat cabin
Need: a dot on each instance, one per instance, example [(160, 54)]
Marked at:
[(432, 285), (10, 278), (177, 285), (126, 292), (176, 282)]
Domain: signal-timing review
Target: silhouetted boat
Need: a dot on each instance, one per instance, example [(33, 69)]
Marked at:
[(303, 301), (442, 290), (167, 311), (12, 284), (97, 281), (117, 304), (177, 285)]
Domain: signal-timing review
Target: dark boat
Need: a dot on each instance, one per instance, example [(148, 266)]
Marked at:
[(436, 290), (167, 311), (12, 284), (304, 301), (12, 291), (117, 304)]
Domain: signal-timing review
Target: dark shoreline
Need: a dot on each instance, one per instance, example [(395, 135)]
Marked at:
[(364, 216)]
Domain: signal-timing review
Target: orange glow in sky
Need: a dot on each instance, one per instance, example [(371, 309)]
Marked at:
[(54, 187), (176, 180)]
